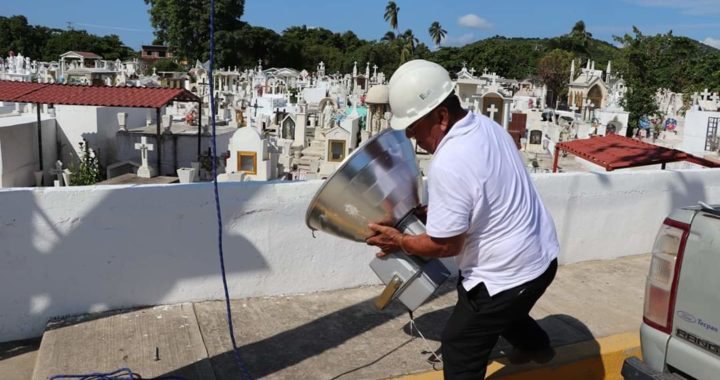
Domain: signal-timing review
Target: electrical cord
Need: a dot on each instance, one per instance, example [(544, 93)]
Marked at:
[(437, 360)]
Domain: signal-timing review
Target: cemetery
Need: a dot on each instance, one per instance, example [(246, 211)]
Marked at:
[(304, 123), (108, 168)]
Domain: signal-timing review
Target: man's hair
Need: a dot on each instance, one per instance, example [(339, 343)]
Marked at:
[(452, 103)]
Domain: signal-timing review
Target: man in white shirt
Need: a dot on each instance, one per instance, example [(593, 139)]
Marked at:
[(484, 210)]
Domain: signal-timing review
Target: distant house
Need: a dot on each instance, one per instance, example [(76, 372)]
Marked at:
[(81, 56), (82, 67), (152, 53)]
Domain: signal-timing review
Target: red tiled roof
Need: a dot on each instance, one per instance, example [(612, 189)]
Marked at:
[(10, 90), (142, 97), (618, 152), (85, 54)]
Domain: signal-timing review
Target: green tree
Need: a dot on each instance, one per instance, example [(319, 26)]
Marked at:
[(46, 44), (437, 33), (554, 69), (408, 42), (184, 26), (638, 65), (391, 14), (389, 37), (164, 65), (578, 31), (18, 36), (109, 47)]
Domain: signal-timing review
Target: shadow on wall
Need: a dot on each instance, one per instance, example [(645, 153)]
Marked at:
[(687, 191), (679, 189), (63, 266)]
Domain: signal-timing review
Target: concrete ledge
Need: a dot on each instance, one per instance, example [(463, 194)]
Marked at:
[(588, 360)]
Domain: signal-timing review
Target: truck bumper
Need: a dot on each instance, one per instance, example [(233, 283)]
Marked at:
[(635, 369)]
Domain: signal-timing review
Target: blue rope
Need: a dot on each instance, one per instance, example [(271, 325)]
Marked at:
[(126, 373), (120, 374), (236, 351)]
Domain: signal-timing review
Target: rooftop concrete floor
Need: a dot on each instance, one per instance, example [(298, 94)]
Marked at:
[(329, 335)]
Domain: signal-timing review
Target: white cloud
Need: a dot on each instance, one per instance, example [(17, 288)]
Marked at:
[(688, 7), (714, 42), (458, 40), (474, 21)]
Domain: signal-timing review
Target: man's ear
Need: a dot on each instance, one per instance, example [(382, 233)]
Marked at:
[(444, 118)]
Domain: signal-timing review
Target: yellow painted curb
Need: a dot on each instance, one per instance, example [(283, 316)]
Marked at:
[(600, 359)]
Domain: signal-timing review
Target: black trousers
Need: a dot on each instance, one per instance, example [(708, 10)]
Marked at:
[(478, 320)]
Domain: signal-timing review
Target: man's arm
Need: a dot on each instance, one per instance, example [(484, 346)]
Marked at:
[(390, 239)]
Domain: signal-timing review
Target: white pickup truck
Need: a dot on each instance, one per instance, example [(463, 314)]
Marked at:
[(680, 333)]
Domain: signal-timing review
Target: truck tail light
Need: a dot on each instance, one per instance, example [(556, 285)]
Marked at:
[(661, 284)]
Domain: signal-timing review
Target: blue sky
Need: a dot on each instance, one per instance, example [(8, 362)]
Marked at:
[(465, 20)]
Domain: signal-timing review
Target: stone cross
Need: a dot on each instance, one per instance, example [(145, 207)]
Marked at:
[(472, 71), (705, 94), (573, 108), (492, 109), (256, 106), (144, 147)]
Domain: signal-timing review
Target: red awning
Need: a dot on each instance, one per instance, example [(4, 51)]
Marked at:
[(618, 152), (103, 96)]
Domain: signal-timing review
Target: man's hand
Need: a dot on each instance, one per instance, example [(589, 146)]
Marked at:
[(386, 238)]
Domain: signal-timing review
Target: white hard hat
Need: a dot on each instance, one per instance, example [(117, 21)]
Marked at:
[(415, 89)]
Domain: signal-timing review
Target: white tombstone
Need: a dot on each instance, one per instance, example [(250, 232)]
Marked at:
[(122, 121), (166, 123), (58, 171), (251, 155), (534, 143), (145, 170)]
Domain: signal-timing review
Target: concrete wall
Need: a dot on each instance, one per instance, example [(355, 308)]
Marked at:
[(98, 127), (178, 150), (19, 151), (74, 250)]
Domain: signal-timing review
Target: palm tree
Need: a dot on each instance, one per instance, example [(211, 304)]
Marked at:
[(405, 53), (391, 14), (389, 37), (407, 42), (409, 39), (437, 33)]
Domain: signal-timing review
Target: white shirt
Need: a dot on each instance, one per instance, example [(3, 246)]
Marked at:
[(478, 185)]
